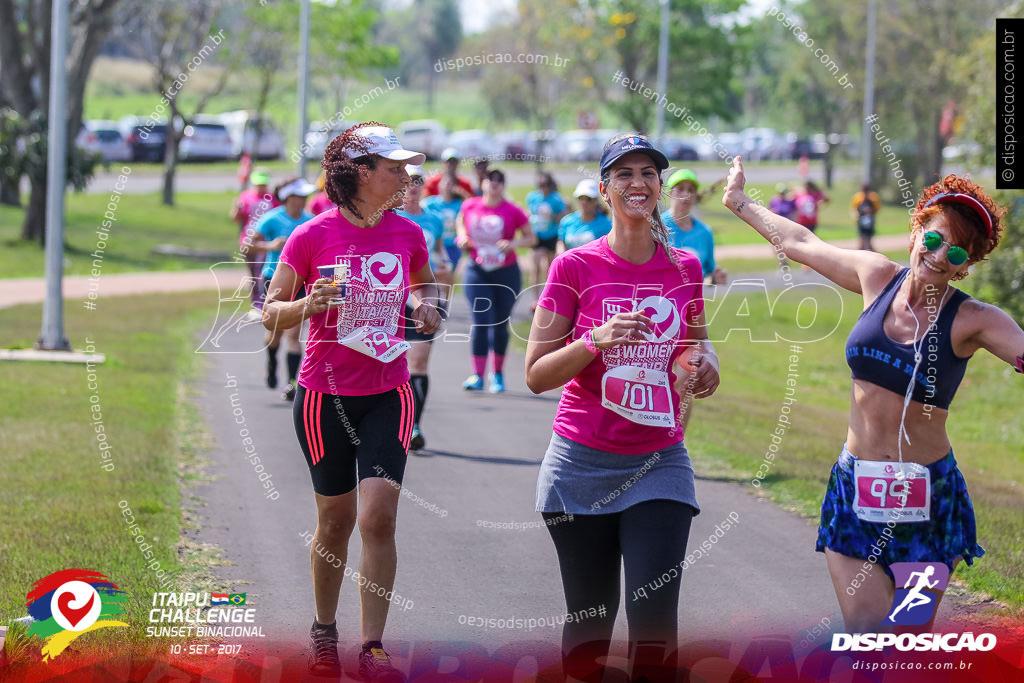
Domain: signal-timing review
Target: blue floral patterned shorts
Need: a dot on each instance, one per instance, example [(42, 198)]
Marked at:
[(949, 534)]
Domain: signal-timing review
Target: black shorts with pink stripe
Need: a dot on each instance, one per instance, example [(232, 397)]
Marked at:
[(346, 436)]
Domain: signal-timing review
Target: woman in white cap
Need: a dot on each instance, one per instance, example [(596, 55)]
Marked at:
[(419, 354), (618, 326), (269, 237), (586, 224), (353, 410)]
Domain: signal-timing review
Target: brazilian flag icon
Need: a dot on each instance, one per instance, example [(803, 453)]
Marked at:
[(237, 599)]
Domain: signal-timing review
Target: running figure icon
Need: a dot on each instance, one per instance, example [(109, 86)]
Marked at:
[(916, 597)]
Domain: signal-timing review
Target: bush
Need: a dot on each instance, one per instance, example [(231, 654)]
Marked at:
[(1003, 275)]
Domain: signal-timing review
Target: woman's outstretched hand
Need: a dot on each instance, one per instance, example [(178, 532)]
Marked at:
[(733, 195)]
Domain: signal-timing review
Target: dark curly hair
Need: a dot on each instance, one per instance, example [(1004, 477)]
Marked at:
[(965, 225), (343, 172)]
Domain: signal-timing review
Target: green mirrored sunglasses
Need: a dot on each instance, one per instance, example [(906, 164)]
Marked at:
[(955, 255)]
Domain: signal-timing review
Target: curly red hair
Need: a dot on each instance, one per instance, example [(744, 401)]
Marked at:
[(343, 172), (965, 225)]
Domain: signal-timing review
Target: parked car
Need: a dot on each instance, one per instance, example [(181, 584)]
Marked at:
[(517, 144), (474, 144), (961, 150), (87, 140), (581, 144), (763, 144), (730, 143), (319, 135), (241, 127), (109, 141), (147, 143), (678, 149), (205, 142), (424, 135)]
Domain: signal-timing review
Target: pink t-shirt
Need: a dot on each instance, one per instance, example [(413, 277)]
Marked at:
[(380, 261), (623, 401), (807, 208), (320, 203), (252, 206), (488, 224)]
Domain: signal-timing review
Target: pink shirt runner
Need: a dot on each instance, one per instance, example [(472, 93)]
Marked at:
[(488, 224), (623, 401), (252, 206), (381, 259), (320, 203)]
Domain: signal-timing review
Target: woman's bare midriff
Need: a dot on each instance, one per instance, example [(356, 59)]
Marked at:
[(875, 423)]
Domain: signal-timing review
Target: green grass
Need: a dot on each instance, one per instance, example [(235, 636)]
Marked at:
[(198, 221), (834, 222), (729, 434), (60, 508)]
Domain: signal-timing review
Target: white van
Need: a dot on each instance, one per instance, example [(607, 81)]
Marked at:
[(241, 127), (425, 135)]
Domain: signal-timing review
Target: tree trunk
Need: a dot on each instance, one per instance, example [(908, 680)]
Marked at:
[(431, 84), (829, 164), (170, 164), (34, 226)]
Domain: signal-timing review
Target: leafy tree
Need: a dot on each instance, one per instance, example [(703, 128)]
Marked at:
[(1004, 273), (177, 38), (703, 54), (25, 74), (439, 32), (342, 45)]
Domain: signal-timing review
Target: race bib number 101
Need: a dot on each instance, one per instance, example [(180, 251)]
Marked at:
[(640, 395)]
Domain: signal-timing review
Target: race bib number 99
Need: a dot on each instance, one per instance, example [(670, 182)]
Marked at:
[(640, 395), (882, 496)]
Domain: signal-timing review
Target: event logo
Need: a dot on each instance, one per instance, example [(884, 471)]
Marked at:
[(385, 271), (69, 603), (922, 584), (664, 316)]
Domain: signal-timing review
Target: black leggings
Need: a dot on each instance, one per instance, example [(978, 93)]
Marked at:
[(649, 540)]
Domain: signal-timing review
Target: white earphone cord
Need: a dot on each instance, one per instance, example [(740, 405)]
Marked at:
[(917, 345)]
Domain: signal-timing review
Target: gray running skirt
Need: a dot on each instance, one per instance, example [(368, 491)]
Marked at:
[(581, 480)]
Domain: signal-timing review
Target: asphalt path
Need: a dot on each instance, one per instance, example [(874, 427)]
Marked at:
[(470, 544), (759, 578)]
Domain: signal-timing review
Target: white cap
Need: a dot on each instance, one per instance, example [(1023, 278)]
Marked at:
[(414, 169), (296, 188), (586, 188), (450, 153), (382, 141)]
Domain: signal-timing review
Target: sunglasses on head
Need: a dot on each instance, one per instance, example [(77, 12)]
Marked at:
[(955, 255)]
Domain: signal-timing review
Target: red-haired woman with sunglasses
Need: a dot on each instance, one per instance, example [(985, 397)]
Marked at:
[(895, 494)]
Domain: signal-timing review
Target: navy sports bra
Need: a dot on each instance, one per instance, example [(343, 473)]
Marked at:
[(874, 357)]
